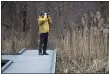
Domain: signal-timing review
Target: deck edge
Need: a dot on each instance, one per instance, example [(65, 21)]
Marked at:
[(53, 67), (7, 65)]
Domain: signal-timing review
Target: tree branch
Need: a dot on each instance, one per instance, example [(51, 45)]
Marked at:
[(6, 26)]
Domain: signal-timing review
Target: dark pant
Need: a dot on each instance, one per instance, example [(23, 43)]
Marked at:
[(43, 42)]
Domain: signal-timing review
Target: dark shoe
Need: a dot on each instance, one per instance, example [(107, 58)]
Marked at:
[(45, 53), (40, 53)]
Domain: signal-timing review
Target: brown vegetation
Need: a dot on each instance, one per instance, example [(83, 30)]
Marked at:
[(79, 50)]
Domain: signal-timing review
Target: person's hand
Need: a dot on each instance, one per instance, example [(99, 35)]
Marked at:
[(45, 13)]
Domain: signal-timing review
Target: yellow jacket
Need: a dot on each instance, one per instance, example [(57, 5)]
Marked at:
[(43, 24)]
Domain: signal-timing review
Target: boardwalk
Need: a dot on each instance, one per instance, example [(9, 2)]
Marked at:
[(30, 62)]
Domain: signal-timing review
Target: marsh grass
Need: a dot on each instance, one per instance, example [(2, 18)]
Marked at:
[(78, 51)]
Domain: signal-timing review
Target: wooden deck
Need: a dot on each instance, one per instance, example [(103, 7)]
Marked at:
[(30, 62)]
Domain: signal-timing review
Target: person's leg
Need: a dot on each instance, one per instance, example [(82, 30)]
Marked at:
[(41, 43), (45, 43)]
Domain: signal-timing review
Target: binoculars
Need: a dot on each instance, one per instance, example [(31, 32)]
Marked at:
[(47, 13)]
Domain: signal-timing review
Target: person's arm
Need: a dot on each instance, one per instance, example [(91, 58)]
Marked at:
[(42, 20), (50, 23)]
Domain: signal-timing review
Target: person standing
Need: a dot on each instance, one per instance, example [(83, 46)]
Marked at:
[(44, 21)]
